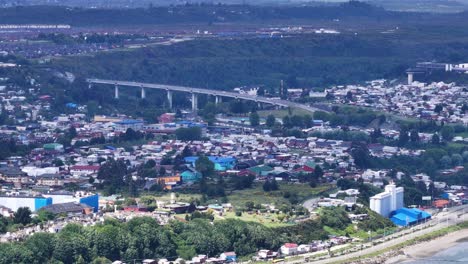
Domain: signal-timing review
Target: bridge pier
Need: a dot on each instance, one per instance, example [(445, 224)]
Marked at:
[(169, 98), (143, 93), (194, 102), (116, 92), (410, 78), (218, 99)]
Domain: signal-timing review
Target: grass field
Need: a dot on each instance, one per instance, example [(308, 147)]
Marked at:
[(280, 113), (267, 219), (254, 194), (180, 197), (258, 196)]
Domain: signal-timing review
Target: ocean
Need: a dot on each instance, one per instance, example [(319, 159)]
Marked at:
[(455, 254)]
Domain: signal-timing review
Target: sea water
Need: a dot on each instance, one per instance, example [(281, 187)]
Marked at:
[(456, 254)]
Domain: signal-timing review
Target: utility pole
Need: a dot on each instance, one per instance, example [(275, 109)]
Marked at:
[(282, 93)]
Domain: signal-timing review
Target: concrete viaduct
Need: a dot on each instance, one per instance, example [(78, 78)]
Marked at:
[(196, 91)]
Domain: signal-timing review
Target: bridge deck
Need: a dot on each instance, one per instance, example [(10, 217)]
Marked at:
[(260, 99)]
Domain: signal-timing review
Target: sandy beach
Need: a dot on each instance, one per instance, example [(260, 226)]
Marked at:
[(429, 248)]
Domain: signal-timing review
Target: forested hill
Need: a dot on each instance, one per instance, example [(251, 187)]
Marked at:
[(202, 13)]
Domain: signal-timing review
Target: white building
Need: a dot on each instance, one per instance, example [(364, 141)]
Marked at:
[(14, 202), (388, 201), (289, 249)]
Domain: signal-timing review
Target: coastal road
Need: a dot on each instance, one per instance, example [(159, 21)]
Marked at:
[(453, 216)]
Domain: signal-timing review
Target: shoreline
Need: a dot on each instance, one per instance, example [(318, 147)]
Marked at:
[(429, 248)]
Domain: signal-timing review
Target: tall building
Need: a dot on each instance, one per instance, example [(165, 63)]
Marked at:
[(388, 201)]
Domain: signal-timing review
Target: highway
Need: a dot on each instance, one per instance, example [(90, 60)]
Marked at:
[(259, 99), (453, 216)]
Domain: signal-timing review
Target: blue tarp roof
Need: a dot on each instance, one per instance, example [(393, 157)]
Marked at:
[(407, 216), (214, 159), (71, 105)]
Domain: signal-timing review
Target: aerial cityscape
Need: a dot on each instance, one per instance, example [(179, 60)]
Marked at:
[(177, 132)]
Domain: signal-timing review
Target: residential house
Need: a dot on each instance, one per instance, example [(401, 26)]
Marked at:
[(229, 256), (289, 249)]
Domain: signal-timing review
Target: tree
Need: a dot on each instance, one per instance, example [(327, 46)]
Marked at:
[(318, 172), (336, 218), (189, 133), (44, 215), (42, 246), (266, 186), (237, 107), (438, 108), (15, 253), (101, 260), (376, 134), (254, 119), (72, 132), (112, 173), (286, 121), (421, 186), (414, 136), (435, 139), (162, 171), (187, 152), (58, 162), (205, 166), (447, 133), (249, 205), (22, 216), (178, 113), (71, 247), (360, 154), (131, 135), (244, 182), (297, 121), (465, 155), (274, 185), (270, 121), (261, 91), (307, 121), (457, 159), (446, 162), (403, 137)]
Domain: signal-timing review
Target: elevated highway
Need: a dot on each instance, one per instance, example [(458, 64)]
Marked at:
[(195, 91)]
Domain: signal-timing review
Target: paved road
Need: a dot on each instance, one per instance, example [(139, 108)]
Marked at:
[(310, 204), (453, 216), (260, 99)]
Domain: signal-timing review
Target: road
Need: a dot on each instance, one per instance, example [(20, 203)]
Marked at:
[(259, 99), (449, 218), (310, 204)]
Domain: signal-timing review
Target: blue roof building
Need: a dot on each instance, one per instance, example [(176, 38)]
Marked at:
[(221, 163), (190, 176), (122, 126), (406, 216)]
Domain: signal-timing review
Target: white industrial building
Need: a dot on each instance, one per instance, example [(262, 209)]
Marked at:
[(388, 201), (14, 202)]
